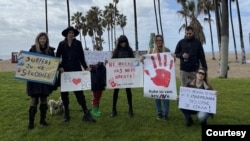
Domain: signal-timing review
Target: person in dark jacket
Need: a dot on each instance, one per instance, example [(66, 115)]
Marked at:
[(72, 57), (191, 54), (38, 90), (122, 50), (98, 84)]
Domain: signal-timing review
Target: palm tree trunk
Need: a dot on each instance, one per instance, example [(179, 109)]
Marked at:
[(159, 12), (68, 13), (211, 35), (224, 40), (156, 19), (243, 60), (46, 16), (232, 25), (136, 35), (218, 25)]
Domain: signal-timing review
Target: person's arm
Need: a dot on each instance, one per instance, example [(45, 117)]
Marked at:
[(82, 56), (177, 52), (202, 57)]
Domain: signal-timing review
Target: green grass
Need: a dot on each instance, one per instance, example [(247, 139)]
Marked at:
[(232, 108)]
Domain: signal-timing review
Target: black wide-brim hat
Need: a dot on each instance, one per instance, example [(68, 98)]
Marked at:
[(65, 31)]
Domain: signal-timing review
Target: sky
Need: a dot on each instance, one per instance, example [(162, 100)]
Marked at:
[(22, 20)]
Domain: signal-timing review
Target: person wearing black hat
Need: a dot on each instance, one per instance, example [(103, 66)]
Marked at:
[(72, 57)]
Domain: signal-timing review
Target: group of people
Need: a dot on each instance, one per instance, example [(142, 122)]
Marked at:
[(193, 72)]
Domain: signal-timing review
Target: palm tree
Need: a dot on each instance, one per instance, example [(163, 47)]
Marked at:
[(218, 24), (159, 12), (224, 39), (115, 7), (108, 16), (122, 21), (76, 20), (183, 12), (68, 13), (207, 7), (94, 21), (243, 60), (156, 19), (136, 35), (232, 25), (84, 30), (46, 16)]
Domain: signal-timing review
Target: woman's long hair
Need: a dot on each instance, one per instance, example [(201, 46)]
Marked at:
[(37, 44), (205, 78), (156, 49), (121, 39)]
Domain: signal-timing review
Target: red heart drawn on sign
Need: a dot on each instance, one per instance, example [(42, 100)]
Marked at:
[(76, 81)]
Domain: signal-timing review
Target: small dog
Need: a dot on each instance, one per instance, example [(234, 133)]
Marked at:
[(56, 107)]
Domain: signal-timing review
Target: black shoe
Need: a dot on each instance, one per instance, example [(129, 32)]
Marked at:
[(159, 116), (44, 123), (204, 123), (31, 126), (189, 122), (113, 114), (87, 117), (130, 114), (166, 117)]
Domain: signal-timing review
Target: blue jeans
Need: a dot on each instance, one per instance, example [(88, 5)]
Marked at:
[(162, 110), (201, 116)]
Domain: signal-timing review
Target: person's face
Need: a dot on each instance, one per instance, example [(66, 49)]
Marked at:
[(42, 41), (159, 41), (200, 75), (189, 34), (123, 43), (71, 34)]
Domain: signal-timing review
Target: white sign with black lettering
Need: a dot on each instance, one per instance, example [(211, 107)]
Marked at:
[(197, 99)]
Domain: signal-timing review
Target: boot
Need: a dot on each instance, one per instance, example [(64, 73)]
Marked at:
[(43, 110), (66, 116), (130, 112), (189, 122), (98, 110), (87, 117), (113, 113), (95, 111), (32, 113)]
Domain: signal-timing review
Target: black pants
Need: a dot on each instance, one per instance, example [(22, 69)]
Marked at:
[(115, 97), (80, 99)]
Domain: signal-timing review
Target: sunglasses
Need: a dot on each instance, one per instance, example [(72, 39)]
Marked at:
[(201, 73)]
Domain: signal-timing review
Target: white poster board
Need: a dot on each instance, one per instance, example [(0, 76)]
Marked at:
[(124, 73), (198, 99), (93, 57), (75, 81), (159, 76)]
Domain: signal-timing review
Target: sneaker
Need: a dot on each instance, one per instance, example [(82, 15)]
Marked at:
[(87, 117), (113, 114), (159, 116)]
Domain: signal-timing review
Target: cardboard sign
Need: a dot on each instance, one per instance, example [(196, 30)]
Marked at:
[(75, 81), (36, 67), (197, 99)]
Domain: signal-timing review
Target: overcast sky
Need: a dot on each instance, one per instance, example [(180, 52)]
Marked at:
[(22, 20)]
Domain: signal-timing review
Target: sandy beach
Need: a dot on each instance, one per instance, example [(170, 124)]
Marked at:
[(237, 70)]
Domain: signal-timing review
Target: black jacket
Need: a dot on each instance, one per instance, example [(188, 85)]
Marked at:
[(35, 89), (196, 54), (72, 58)]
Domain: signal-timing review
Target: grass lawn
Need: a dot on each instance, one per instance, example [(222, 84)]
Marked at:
[(232, 108)]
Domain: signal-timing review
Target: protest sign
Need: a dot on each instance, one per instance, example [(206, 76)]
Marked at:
[(36, 67), (93, 57), (124, 73), (75, 81), (197, 99), (159, 76)]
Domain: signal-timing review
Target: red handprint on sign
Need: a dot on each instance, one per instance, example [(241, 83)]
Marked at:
[(163, 76), (112, 82)]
